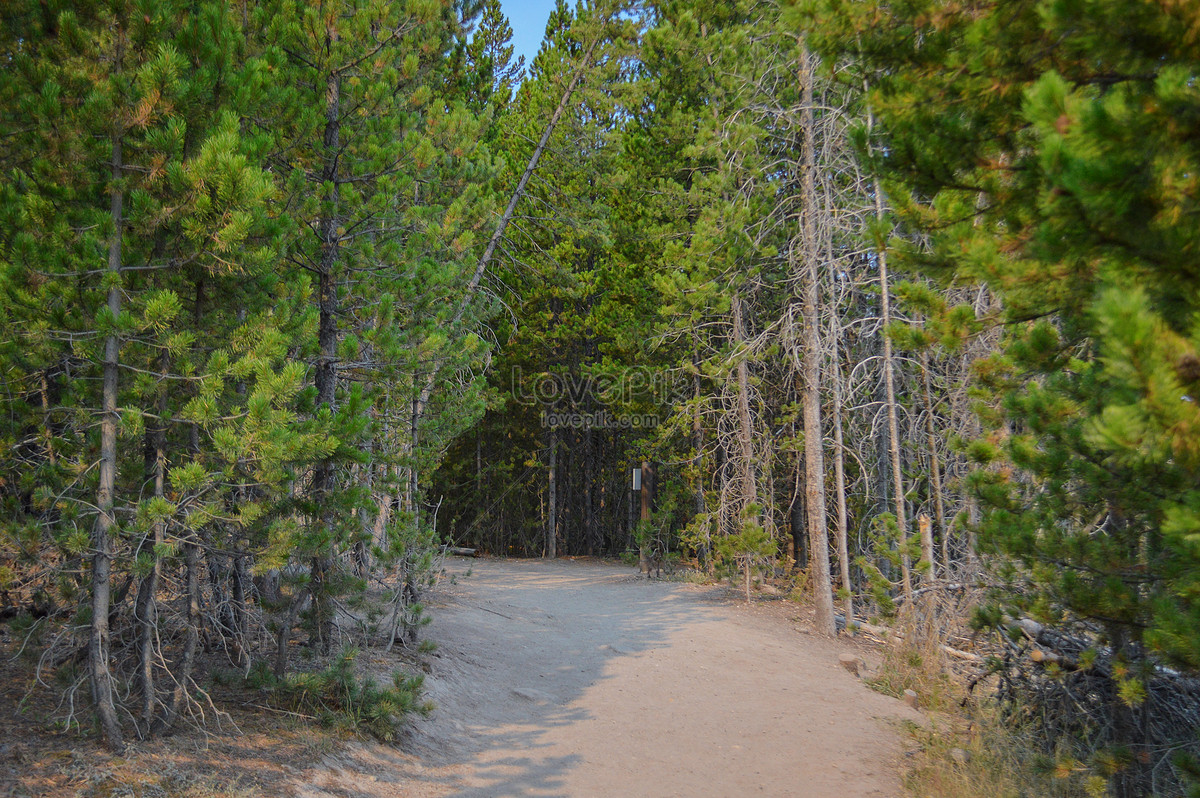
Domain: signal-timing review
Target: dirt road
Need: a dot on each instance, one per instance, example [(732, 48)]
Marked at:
[(582, 679)]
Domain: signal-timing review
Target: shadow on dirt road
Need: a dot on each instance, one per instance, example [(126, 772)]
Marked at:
[(580, 678)]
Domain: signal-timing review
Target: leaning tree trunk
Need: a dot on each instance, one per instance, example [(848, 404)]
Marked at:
[(489, 251)]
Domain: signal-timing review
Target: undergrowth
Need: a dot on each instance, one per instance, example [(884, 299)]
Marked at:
[(338, 697), (915, 662), (969, 749), (989, 758)]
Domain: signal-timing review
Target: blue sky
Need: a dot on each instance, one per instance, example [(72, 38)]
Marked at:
[(528, 20)]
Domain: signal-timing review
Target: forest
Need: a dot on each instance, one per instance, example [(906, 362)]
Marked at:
[(889, 297)]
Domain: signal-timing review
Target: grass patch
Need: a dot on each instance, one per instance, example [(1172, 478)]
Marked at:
[(914, 661)]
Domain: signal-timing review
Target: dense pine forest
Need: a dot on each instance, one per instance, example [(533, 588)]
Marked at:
[(888, 299)]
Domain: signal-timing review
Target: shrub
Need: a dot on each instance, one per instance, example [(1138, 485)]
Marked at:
[(337, 696)]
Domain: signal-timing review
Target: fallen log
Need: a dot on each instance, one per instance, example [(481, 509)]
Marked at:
[(888, 634), (1043, 657)]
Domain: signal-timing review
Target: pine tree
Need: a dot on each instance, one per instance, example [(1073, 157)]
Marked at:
[(1041, 152), (138, 202), (376, 148), (490, 69), (551, 272)]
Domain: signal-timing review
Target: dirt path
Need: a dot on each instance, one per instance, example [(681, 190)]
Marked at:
[(581, 679)]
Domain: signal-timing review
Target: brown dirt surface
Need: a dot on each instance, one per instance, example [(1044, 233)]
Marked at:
[(551, 678), (252, 753), (580, 678)]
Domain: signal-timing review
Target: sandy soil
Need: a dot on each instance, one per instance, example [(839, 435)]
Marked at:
[(578, 678)]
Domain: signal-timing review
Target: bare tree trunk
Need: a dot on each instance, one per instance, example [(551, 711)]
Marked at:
[(839, 475), (102, 544), (146, 605), (552, 490), (745, 425), (889, 382), (589, 493), (699, 504), (926, 530), (935, 469), (187, 660), (810, 280), (646, 497)]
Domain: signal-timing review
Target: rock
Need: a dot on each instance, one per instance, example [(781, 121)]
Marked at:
[(851, 663), (910, 698), (960, 755)]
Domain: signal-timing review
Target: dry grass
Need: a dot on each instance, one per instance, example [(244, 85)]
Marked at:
[(915, 660), (967, 750), (39, 759), (976, 755)]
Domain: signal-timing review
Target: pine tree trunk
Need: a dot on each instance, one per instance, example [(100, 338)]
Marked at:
[(935, 469), (47, 427), (327, 340), (699, 505), (102, 543), (589, 502), (798, 510), (647, 498), (146, 605), (366, 522), (502, 225), (889, 382), (839, 475), (810, 276), (414, 472), (925, 528), (187, 659), (552, 498), (745, 424), (241, 611)]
